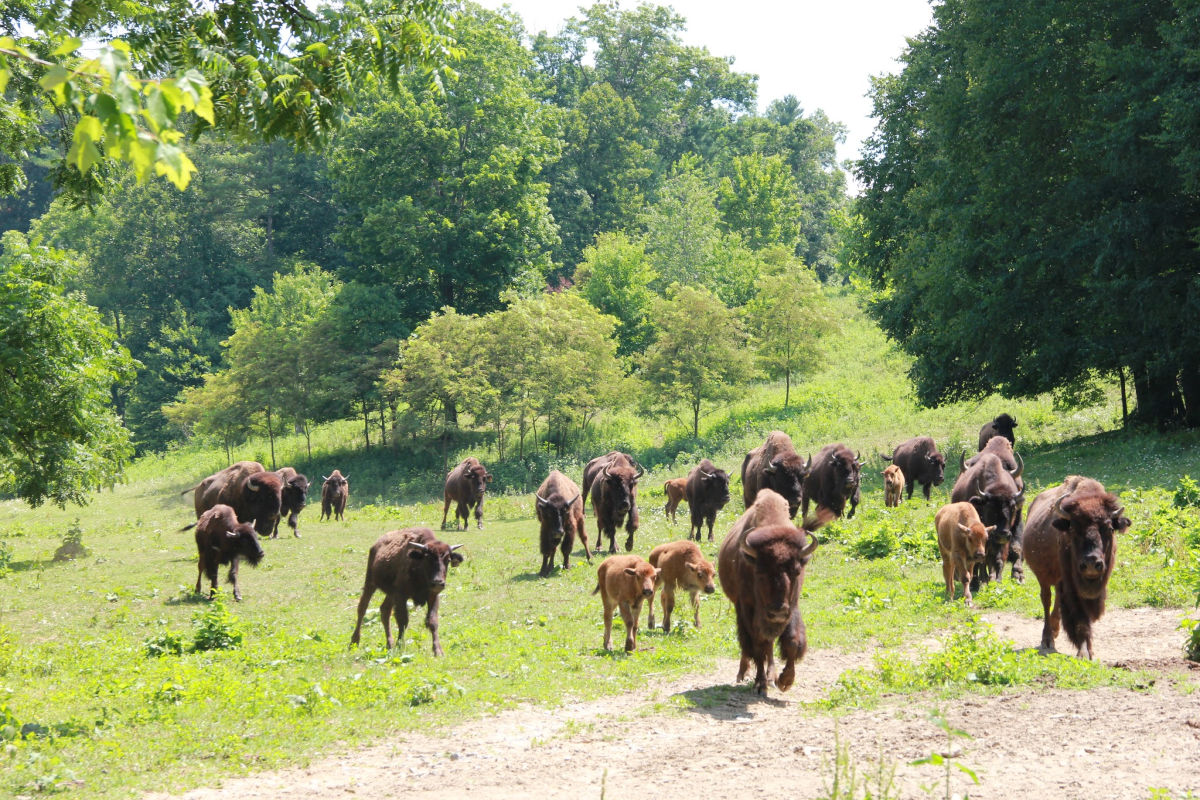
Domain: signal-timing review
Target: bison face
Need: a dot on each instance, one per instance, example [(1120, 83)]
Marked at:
[(786, 476), (1089, 524), (435, 560), (778, 561), (554, 513), (936, 464), (478, 479), (645, 575), (295, 492), (715, 486), (998, 511), (620, 485), (245, 543), (977, 537), (704, 575)]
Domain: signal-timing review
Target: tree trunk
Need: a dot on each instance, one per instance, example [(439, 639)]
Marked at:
[(1189, 383), (308, 439), (1158, 398), (366, 422), (1124, 398), (271, 435), (695, 419), (382, 424), (451, 413), (787, 387)]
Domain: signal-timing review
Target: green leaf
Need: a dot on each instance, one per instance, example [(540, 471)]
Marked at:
[(174, 164), (84, 152), (67, 46), (55, 77), (4, 76), (967, 770)]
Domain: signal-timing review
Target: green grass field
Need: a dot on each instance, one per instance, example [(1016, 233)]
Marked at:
[(89, 666)]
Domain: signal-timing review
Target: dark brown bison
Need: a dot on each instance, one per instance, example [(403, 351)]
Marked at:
[(761, 563), (919, 460), (1001, 426), (466, 485), (254, 494), (994, 491), (220, 540), (409, 564), (293, 497), (775, 465), (612, 481), (560, 514), (1002, 448), (833, 480), (335, 491), (675, 489), (707, 493), (1071, 547)]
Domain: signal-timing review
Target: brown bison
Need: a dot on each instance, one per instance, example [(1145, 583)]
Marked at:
[(681, 565), (775, 465), (466, 485), (919, 460), (335, 491), (833, 479), (409, 564), (612, 480), (1002, 448), (707, 493), (1071, 548), (893, 486), (962, 538), (624, 582), (560, 513), (761, 563), (292, 499), (994, 491), (254, 494), (675, 488), (1001, 426), (220, 540)]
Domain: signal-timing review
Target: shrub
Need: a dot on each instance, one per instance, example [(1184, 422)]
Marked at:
[(216, 628), (1188, 493), (164, 644)]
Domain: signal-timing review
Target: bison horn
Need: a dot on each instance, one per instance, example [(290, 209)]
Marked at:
[(1016, 473), (324, 477), (771, 467), (605, 472), (708, 474), (346, 478), (541, 500), (858, 458), (454, 547), (252, 485), (808, 464), (808, 548), (747, 550), (962, 460), (1058, 512), (573, 499), (417, 545), (640, 472), (231, 534)]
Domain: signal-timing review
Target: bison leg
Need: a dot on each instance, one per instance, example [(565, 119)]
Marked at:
[(431, 622), (1050, 620), (478, 515), (400, 611), (965, 576), (446, 511), (668, 605), (275, 529), (233, 578), (926, 487), (745, 642), (367, 593), (568, 543), (608, 615), (294, 524), (547, 564), (948, 575), (792, 646), (629, 615)]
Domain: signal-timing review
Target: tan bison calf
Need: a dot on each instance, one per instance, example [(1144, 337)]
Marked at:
[(624, 582), (962, 538), (675, 489), (682, 565), (893, 486)]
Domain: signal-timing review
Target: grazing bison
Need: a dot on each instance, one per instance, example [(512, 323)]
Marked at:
[(675, 489), (293, 497), (1001, 426), (996, 494), (409, 564), (833, 479), (254, 494), (624, 582), (466, 485), (560, 514), (612, 480), (893, 485), (962, 538), (1002, 448), (707, 493), (761, 563), (775, 465), (1071, 548), (221, 539), (681, 565), (919, 460), (335, 491)]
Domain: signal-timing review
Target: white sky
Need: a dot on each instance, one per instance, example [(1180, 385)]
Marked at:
[(822, 51)]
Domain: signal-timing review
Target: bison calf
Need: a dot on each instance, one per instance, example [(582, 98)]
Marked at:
[(675, 489), (624, 582), (682, 565), (221, 539), (409, 564), (893, 486), (335, 491), (962, 538)]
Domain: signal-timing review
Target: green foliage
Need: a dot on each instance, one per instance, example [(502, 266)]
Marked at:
[(1188, 493), (59, 438), (699, 355), (944, 759), (163, 644), (682, 227), (615, 276), (845, 782), (215, 628), (759, 200)]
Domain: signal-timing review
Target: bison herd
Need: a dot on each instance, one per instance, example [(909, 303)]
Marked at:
[(1067, 541)]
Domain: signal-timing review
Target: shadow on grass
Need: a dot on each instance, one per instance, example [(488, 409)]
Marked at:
[(190, 599), (727, 701)]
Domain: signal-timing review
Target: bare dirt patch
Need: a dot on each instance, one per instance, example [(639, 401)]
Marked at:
[(703, 737)]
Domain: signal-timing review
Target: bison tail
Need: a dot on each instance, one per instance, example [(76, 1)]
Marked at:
[(192, 489), (597, 589), (188, 527), (885, 458)]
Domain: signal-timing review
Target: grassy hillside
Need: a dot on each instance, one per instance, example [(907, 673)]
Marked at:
[(89, 666)]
